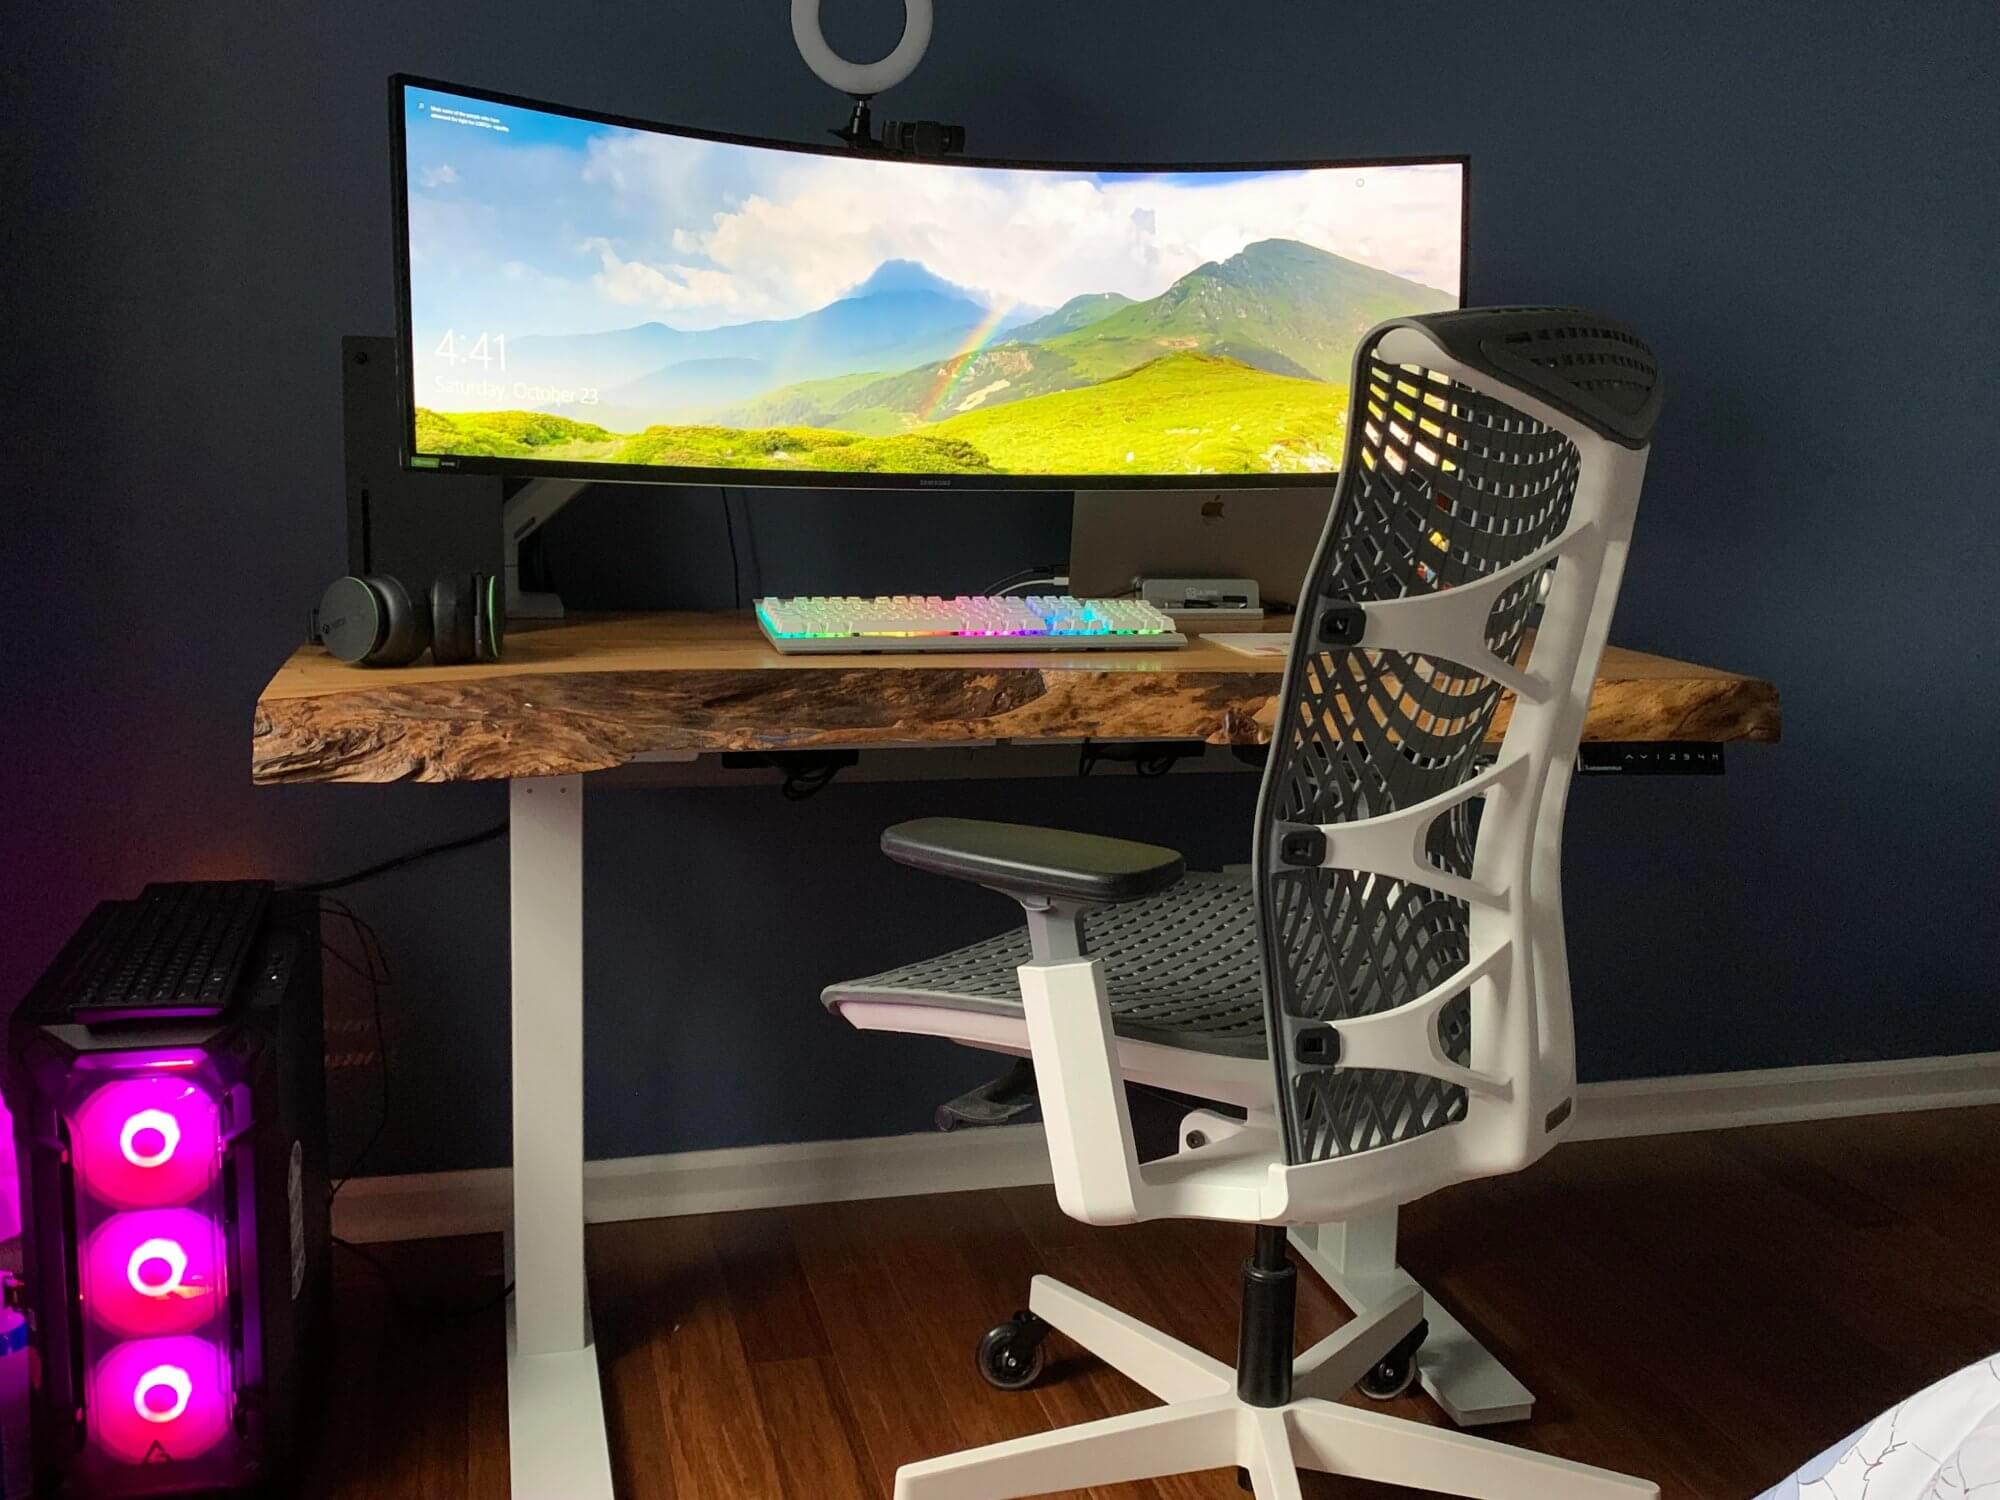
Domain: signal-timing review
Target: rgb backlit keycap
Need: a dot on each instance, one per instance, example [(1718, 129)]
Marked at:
[(906, 622)]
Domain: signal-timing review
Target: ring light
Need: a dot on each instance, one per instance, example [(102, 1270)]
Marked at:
[(862, 78)]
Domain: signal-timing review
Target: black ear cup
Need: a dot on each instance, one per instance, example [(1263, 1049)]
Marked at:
[(371, 620), (409, 627), (349, 621), (452, 600)]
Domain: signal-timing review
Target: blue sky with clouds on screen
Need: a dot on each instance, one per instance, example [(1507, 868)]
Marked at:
[(527, 222)]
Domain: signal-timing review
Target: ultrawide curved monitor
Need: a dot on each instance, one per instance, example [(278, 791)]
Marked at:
[(599, 298)]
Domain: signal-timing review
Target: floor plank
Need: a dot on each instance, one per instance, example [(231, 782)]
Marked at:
[(707, 1398), (1707, 1310), (768, 1294), (817, 1443), (900, 1409)]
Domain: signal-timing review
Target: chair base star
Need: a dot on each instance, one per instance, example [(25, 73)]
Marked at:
[(1207, 1423)]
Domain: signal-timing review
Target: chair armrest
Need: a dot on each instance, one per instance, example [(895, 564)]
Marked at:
[(1027, 861)]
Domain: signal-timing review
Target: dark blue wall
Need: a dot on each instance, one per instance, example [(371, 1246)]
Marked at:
[(1794, 202)]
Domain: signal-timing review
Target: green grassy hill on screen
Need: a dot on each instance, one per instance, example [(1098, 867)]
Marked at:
[(900, 402), (802, 448), (1078, 312), (532, 434), (1180, 414), (1183, 413), (1241, 366), (1303, 303), (511, 434), (1277, 305)]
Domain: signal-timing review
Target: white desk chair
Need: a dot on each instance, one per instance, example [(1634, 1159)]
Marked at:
[(1386, 998)]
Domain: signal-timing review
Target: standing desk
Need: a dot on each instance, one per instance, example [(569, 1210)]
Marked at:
[(595, 696)]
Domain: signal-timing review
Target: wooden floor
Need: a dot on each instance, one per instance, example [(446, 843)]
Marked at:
[(1708, 1310)]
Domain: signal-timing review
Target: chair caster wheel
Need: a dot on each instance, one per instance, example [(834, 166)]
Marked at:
[(1011, 1356), (1396, 1371)]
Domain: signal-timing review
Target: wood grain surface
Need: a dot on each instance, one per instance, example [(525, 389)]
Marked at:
[(596, 692)]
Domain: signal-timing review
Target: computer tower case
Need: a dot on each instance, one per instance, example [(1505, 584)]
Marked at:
[(177, 1229)]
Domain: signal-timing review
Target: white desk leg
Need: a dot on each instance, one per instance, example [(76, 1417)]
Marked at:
[(1358, 1261), (555, 1409)]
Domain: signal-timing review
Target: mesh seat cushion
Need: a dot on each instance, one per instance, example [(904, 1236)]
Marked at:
[(1181, 968)]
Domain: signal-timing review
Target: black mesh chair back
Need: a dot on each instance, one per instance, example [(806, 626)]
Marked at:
[(1471, 439)]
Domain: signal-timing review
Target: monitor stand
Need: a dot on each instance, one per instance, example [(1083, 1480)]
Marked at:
[(525, 512), (1118, 537)]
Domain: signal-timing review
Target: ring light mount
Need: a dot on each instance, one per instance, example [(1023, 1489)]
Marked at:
[(862, 81)]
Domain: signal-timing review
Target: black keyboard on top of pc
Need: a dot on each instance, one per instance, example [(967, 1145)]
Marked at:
[(178, 950)]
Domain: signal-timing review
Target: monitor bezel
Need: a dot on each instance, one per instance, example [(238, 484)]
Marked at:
[(603, 473)]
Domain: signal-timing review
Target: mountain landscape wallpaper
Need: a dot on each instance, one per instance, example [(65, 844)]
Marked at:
[(587, 292)]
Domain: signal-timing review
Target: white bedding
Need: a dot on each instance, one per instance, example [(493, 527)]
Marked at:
[(1941, 1444)]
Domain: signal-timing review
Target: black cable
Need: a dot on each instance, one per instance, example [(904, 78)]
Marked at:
[(373, 955), (802, 784), (750, 545), (374, 970), (376, 975), (1144, 760), (429, 851), (345, 962), (536, 574), (735, 567)]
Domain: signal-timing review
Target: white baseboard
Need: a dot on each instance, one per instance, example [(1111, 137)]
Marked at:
[(1774, 1096), (431, 1204)]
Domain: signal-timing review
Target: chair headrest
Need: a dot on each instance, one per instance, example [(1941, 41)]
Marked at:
[(1590, 367)]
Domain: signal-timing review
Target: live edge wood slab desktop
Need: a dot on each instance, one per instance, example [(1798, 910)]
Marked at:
[(592, 695), (597, 692)]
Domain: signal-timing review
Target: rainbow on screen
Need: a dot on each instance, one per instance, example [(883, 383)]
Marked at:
[(961, 360)]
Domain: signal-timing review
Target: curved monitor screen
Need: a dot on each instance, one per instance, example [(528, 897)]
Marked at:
[(613, 300)]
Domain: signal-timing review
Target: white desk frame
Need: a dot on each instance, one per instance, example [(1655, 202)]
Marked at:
[(557, 1449), (555, 1405)]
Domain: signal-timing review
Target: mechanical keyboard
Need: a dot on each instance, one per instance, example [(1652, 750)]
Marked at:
[(1039, 622), (178, 950)]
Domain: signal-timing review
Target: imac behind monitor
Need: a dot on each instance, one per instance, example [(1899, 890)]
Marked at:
[(593, 297), (1121, 538)]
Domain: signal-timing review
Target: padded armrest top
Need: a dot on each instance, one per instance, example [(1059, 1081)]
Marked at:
[(1025, 861)]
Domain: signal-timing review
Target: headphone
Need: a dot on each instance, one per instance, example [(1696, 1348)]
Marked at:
[(374, 620)]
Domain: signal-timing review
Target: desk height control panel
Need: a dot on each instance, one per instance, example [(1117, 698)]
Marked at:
[(1649, 758)]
